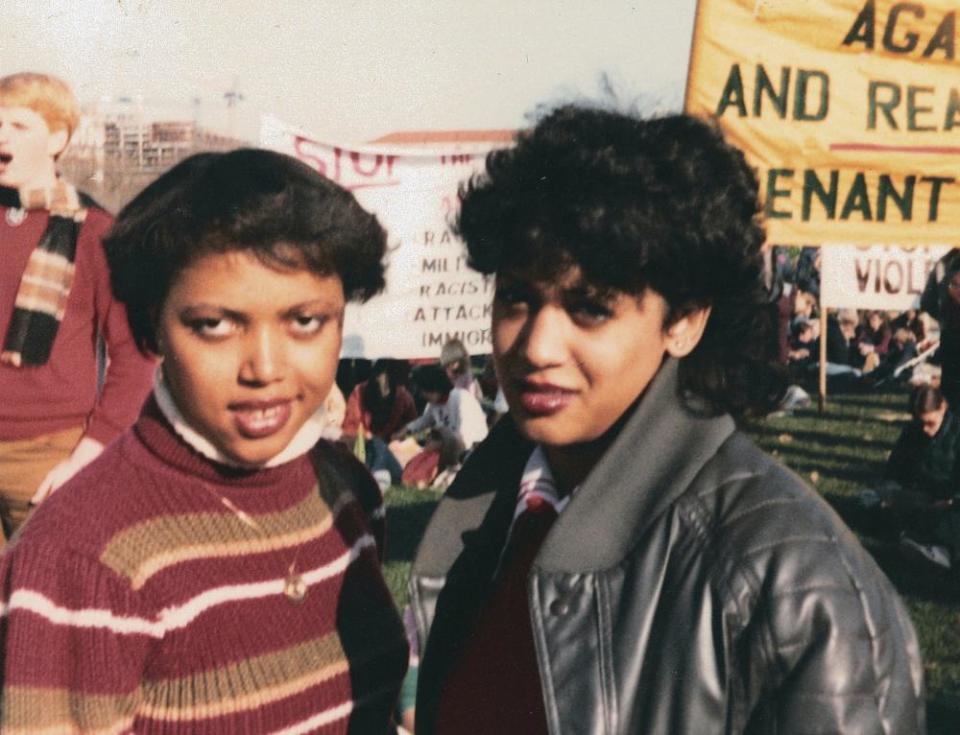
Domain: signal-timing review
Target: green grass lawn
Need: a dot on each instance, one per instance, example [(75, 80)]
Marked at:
[(837, 452)]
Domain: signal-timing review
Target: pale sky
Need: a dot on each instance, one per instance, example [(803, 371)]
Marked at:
[(353, 70)]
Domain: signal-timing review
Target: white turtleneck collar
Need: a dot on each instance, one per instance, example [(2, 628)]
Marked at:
[(301, 443)]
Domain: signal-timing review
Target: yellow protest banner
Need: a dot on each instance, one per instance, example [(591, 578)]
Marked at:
[(849, 109)]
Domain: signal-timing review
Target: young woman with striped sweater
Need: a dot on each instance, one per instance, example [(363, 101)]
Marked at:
[(217, 569)]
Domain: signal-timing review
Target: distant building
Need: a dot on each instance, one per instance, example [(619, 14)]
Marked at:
[(117, 150), (132, 144)]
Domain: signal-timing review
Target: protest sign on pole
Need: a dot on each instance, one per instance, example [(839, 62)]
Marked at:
[(431, 294), (849, 110), (876, 277)]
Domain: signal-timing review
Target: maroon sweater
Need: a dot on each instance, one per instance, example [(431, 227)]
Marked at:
[(135, 601), (62, 394)]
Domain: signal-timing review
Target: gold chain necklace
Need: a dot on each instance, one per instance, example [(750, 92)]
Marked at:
[(294, 586)]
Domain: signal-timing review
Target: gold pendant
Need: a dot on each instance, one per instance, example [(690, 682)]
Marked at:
[(294, 588)]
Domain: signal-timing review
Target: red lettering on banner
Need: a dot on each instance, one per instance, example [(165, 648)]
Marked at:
[(893, 269), (911, 286), (374, 169), (891, 276), (378, 161), (336, 164), (455, 159), (862, 276), (302, 145)]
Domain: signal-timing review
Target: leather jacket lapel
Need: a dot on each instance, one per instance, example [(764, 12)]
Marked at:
[(659, 451)]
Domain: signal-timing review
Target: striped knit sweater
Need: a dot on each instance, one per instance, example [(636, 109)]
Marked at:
[(134, 600)]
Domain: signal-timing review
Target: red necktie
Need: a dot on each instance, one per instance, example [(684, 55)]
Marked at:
[(495, 685)]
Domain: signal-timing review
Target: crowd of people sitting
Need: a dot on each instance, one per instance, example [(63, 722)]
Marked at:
[(865, 349), (416, 424), (918, 496)]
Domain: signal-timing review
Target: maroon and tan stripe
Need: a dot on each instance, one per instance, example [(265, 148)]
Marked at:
[(143, 550), (41, 710), (247, 684)]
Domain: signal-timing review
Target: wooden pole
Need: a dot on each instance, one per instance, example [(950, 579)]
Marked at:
[(822, 403)]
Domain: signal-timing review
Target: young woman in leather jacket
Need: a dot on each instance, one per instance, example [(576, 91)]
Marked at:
[(616, 557)]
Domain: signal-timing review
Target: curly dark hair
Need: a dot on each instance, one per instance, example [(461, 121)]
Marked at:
[(661, 203), (271, 205)]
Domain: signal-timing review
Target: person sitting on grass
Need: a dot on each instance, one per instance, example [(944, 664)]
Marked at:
[(803, 348), (922, 476), (448, 407), (455, 360), (453, 421), (896, 365), (873, 339), (924, 461), (378, 408)]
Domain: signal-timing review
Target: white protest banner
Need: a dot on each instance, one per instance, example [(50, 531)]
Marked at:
[(876, 277), (431, 294)]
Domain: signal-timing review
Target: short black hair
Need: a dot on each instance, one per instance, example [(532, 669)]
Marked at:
[(662, 203), (432, 378), (925, 399), (266, 203)]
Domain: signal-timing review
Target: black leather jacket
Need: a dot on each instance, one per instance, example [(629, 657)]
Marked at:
[(692, 585)]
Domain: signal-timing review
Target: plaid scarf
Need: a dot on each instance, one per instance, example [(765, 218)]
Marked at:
[(45, 286)]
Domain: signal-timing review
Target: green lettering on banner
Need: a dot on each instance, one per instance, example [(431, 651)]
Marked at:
[(800, 100), (773, 193), (809, 85), (944, 38), (904, 202), (733, 93), (884, 100), (857, 199), (779, 99), (896, 37), (910, 38), (862, 29), (936, 186), (827, 198), (885, 106), (913, 108), (952, 116)]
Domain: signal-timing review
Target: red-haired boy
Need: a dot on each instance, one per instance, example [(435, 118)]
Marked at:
[(55, 301)]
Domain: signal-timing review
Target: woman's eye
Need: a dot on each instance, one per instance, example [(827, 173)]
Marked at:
[(213, 327), (304, 324), (590, 313)]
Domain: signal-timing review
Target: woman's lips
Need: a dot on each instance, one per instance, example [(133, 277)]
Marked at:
[(544, 400), (261, 419)]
